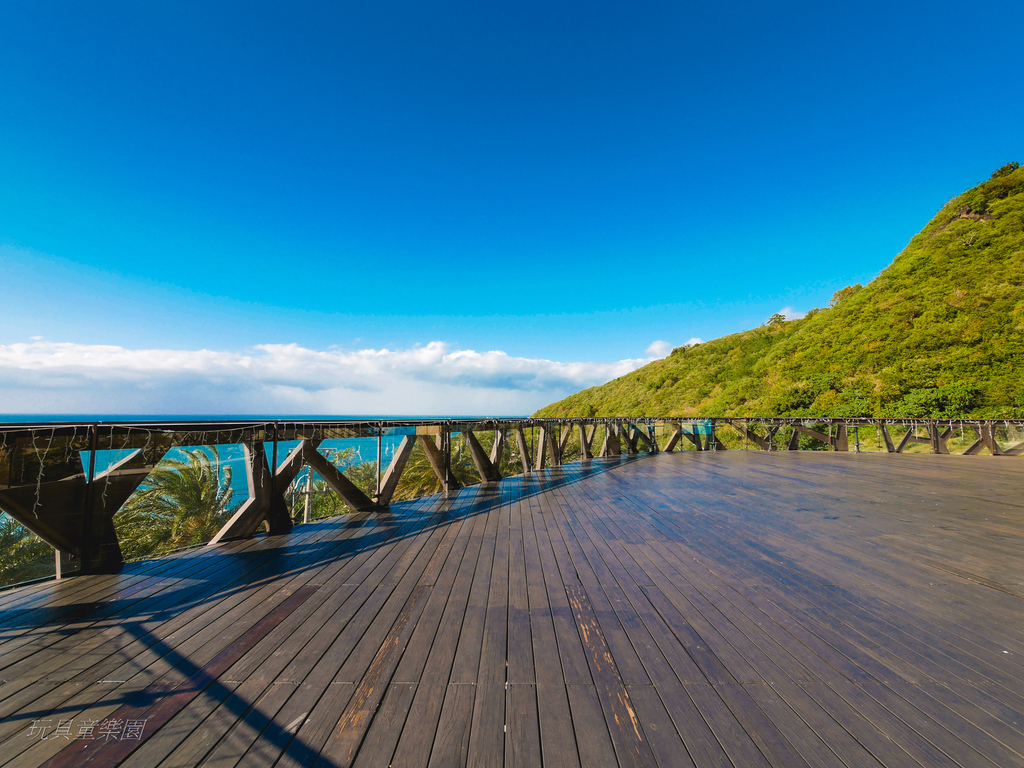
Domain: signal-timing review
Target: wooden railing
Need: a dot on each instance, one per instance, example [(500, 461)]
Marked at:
[(66, 481), (999, 437)]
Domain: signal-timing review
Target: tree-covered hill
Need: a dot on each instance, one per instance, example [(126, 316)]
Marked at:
[(939, 333)]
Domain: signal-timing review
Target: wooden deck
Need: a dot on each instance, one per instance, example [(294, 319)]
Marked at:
[(721, 609)]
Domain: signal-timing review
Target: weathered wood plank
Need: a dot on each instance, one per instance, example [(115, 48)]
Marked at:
[(694, 609)]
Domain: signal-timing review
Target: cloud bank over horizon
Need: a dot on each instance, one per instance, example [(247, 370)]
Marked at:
[(47, 377)]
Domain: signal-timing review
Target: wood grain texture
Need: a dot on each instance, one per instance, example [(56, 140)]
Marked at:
[(709, 609)]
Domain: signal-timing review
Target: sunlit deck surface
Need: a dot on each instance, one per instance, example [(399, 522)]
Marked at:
[(718, 609)]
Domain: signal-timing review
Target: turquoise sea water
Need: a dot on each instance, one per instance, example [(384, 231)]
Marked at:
[(232, 458)]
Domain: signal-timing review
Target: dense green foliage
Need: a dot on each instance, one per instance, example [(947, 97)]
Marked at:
[(183, 502), (939, 333), (25, 555)]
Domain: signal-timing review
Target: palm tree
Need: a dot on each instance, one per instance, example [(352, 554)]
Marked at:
[(183, 502), (23, 555)]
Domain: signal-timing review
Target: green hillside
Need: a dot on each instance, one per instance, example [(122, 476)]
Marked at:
[(939, 333)]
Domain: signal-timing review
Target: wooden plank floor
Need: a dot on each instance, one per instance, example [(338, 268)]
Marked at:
[(720, 609)]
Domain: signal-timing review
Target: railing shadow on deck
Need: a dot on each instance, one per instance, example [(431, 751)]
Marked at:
[(52, 483), (282, 557), (199, 681), (66, 483), (135, 617)]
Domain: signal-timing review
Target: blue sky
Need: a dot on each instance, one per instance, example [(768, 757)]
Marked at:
[(559, 185)]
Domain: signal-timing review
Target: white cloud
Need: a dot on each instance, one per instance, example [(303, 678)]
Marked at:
[(791, 314), (58, 377), (693, 340), (658, 349)]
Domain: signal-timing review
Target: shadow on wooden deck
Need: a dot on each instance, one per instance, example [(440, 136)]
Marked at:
[(731, 609)]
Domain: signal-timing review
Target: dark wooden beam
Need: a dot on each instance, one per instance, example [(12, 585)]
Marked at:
[(841, 441), (254, 510), (524, 450), (652, 447), (547, 447), (341, 485), (827, 439), (585, 441), (677, 433), (907, 438), (744, 429), (497, 450), (542, 449), (612, 445), (479, 456), (563, 440), (442, 468), (938, 438), (1015, 450), (389, 482), (889, 446), (988, 435), (694, 438)]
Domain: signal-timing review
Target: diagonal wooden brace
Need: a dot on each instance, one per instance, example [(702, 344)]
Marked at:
[(586, 441), (437, 462), (542, 449), (341, 485), (279, 517), (563, 441), (612, 446), (694, 438), (751, 435), (988, 435), (483, 465), (814, 433), (677, 434), (524, 451), (53, 510), (254, 510), (389, 482), (631, 435), (497, 450), (638, 435), (908, 437), (938, 437)]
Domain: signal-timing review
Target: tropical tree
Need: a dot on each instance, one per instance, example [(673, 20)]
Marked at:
[(183, 502), (324, 502), (23, 555)]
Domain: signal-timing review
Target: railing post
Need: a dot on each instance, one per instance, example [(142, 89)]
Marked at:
[(446, 456), (380, 432), (273, 462), (308, 506), (88, 502)]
